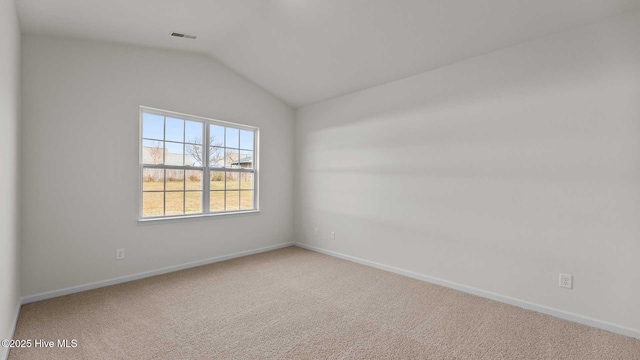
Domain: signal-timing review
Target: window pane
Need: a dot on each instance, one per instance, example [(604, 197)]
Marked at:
[(174, 203), (233, 200), (233, 181), (216, 156), (152, 204), (216, 135), (246, 181), (193, 155), (193, 203), (246, 139), (152, 152), (193, 132), (194, 180), (233, 138), (174, 130), (246, 200), (174, 154), (216, 201), (152, 126), (175, 180), (217, 180), (246, 159), (231, 158), (153, 179)]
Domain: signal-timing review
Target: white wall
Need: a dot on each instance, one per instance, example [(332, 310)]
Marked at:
[(9, 114), (498, 172), (80, 160)]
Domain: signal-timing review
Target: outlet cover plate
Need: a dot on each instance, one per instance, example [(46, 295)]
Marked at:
[(566, 281)]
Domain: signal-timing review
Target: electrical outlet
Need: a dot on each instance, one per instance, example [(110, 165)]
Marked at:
[(316, 231), (119, 254), (566, 281), (333, 235)]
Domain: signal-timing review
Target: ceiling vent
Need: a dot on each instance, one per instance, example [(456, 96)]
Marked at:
[(181, 35)]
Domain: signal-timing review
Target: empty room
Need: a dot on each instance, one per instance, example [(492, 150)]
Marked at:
[(320, 179)]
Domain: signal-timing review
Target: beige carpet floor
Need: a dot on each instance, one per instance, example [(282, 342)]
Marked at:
[(297, 304)]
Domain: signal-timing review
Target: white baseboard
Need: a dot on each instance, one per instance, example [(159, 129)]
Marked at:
[(12, 331), (486, 294), (142, 275)]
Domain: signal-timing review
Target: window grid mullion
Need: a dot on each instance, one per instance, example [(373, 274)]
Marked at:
[(164, 162), (184, 189), (206, 173), (254, 177), (184, 172), (224, 154), (171, 167)]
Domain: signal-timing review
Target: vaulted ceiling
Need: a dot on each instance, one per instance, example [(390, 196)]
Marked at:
[(305, 51)]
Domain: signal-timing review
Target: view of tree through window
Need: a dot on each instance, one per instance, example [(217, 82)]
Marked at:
[(195, 166)]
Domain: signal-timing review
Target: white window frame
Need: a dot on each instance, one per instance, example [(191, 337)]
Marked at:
[(206, 169)]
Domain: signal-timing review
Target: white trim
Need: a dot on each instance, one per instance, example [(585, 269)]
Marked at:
[(580, 319), (163, 219), (146, 274), (12, 331), (162, 112)]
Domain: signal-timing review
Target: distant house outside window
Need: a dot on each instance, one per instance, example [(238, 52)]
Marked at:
[(194, 166)]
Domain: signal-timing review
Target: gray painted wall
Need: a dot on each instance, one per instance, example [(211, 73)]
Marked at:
[(9, 129), (497, 173), (81, 99)]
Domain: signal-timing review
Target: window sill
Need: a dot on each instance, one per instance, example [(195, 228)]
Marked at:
[(168, 219)]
